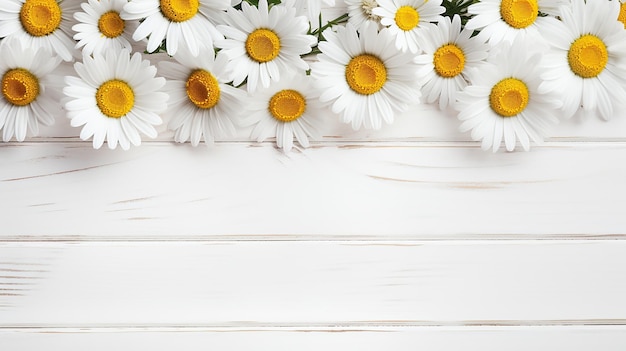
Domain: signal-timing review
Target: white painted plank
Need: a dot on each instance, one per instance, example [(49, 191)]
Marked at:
[(53, 191), (612, 338), (152, 284)]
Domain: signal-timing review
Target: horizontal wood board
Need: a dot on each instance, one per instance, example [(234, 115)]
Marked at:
[(391, 283), (367, 190)]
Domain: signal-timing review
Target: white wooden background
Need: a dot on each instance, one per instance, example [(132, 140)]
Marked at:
[(407, 238)]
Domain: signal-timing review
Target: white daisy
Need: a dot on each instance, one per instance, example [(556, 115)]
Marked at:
[(116, 96), (360, 12), (449, 54), (178, 22), (503, 102), (40, 23), (263, 43), (28, 89), (312, 9), (503, 20), (407, 19), (366, 79), (202, 104), (288, 109), (101, 28), (587, 65)]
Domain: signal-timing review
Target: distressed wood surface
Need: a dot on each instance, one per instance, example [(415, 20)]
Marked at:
[(67, 191), (606, 338), (403, 238), (353, 283)]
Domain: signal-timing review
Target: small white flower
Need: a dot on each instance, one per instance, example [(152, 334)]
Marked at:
[(202, 104), (504, 103), (287, 110), (178, 22), (449, 54), (503, 20), (586, 65), (407, 19), (262, 43), (361, 12), (40, 24), (101, 28), (312, 9), (366, 79), (29, 95), (115, 97)]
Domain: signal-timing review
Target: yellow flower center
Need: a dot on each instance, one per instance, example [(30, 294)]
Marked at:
[(366, 74), (622, 14), (449, 61), (509, 97), (40, 17), (407, 18), (179, 10), (203, 89), (519, 13), (287, 105), (20, 87), (111, 25), (263, 45), (115, 98), (587, 56)]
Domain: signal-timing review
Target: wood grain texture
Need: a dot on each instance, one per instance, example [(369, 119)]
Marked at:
[(67, 191), (288, 339), (259, 284)]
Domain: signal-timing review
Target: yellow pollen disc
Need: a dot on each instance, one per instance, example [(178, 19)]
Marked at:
[(115, 98), (449, 61), (179, 10), (509, 97), (111, 25), (263, 45), (587, 56), (622, 14), (203, 89), (287, 105), (366, 74), (407, 18), (20, 87), (519, 13), (40, 17)]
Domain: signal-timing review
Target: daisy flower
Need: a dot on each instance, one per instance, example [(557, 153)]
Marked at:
[(40, 23), (313, 10), (366, 79), (202, 104), (361, 12), (101, 28), (503, 20), (28, 89), (288, 109), (178, 22), (586, 62), (449, 54), (116, 96), (264, 42), (504, 102), (407, 19)]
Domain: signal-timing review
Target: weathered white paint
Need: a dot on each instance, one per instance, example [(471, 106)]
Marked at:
[(605, 338), (170, 247), (312, 283), (365, 190)]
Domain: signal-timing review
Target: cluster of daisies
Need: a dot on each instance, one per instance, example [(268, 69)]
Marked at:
[(116, 68)]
